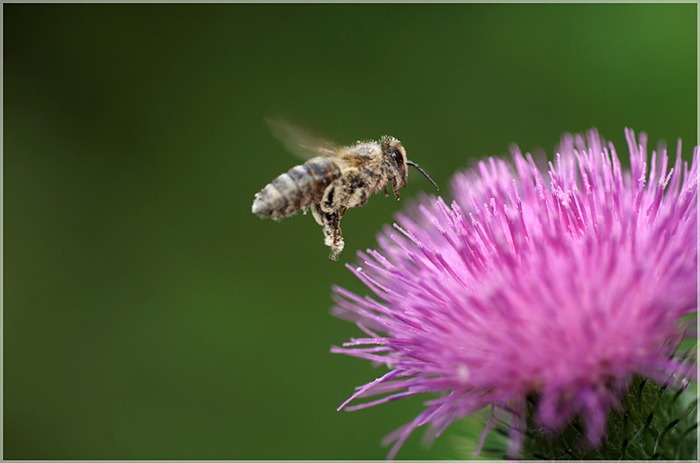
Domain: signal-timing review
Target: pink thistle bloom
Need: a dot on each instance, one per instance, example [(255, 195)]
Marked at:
[(563, 284)]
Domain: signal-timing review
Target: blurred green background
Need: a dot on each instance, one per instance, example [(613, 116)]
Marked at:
[(148, 314)]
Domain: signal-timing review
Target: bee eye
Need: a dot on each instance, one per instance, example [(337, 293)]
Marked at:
[(396, 154)]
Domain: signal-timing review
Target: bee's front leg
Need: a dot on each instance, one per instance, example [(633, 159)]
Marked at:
[(396, 191), (333, 236)]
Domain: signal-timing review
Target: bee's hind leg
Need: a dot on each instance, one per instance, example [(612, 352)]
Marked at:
[(330, 212), (333, 236), (317, 213)]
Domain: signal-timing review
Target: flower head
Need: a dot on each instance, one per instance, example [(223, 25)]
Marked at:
[(562, 284)]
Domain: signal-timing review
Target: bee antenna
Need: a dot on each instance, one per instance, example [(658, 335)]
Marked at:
[(425, 174)]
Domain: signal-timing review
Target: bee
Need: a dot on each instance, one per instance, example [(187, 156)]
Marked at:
[(333, 179)]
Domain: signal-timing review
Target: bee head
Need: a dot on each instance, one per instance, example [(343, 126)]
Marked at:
[(395, 162)]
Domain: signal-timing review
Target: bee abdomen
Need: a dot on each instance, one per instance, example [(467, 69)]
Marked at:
[(296, 189)]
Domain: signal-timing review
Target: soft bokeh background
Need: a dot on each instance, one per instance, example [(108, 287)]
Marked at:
[(148, 314)]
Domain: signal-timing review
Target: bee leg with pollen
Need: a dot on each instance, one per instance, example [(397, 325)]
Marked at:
[(333, 236), (327, 214)]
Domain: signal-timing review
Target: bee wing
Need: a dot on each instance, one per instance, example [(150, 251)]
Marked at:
[(300, 141)]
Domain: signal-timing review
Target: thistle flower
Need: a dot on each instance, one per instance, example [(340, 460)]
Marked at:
[(562, 286)]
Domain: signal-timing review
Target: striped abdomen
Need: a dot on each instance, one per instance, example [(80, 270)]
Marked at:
[(296, 189)]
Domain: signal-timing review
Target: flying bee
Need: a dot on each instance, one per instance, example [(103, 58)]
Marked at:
[(334, 179)]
